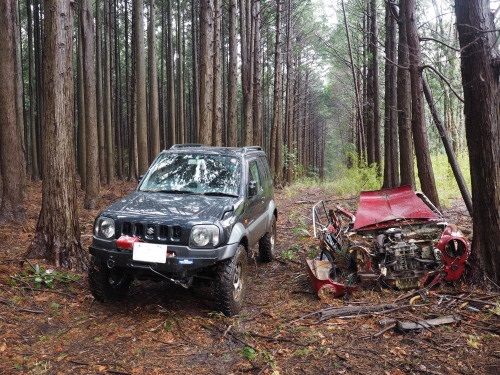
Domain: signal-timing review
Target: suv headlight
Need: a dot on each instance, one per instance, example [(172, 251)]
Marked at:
[(204, 236), (104, 227)]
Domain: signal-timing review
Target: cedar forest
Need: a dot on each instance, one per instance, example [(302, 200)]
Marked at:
[(345, 96)]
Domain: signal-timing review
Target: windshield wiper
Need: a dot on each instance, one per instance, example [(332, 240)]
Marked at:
[(219, 194), (171, 191)]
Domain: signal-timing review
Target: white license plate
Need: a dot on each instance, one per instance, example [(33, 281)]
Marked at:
[(149, 252)]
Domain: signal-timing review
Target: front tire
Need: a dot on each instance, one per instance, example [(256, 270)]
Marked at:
[(230, 283), (107, 284), (267, 244)]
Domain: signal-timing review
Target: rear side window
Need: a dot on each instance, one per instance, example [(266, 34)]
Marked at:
[(255, 175), (264, 171)]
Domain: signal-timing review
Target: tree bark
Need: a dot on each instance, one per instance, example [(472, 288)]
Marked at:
[(81, 141), (11, 147), (277, 127), (90, 105), (232, 99), (257, 77), (391, 156), (404, 104), (246, 44), (181, 127), (154, 123), (35, 170), (108, 124), (140, 88), (373, 118), (99, 96), (420, 139), (480, 66), (217, 68), (172, 126), (195, 72), (57, 236), (206, 72)]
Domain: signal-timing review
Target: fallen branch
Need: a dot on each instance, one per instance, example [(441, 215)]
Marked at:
[(352, 311), (467, 299), (406, 325)]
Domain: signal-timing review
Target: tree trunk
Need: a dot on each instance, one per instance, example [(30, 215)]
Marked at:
[(404, 104), (257, 77), (57, 236), (18, 72), (35, 171), (277, 127), (217, 68), (420, 140), (480, 79), (11, 147), (391, 156), (448, 148), (108, 124), (195, 71), (140, 88), (100, 113), (81, 141), (120, 121), (181, 128), (154, 123), (206, 72), (172, 126), (246, 44), (359, 105), (373, 120), (90, 106), (232, 99)]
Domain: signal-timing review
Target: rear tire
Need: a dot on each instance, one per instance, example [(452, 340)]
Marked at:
[(267, 243), (230, 283), (107, 284)]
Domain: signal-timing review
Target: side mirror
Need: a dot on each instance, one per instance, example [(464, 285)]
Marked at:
[(139, 179), (252, 189)]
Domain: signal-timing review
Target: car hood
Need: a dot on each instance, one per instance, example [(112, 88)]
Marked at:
[(178, 207), (387, 205)]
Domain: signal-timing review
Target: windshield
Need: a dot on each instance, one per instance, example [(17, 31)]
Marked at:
[(194, 173)]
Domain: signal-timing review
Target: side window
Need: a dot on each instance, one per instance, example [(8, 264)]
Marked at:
[(264, 171), (254, 174)]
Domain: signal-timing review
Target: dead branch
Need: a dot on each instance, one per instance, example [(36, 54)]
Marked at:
[(444, 79)]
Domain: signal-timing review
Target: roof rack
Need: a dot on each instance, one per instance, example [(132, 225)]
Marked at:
[(251, 148), (186, 145)]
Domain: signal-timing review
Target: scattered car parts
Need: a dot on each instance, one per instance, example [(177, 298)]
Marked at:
[(397, 238)]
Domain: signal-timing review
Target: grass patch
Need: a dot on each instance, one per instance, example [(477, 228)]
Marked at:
[(343, 181), (40, 277)]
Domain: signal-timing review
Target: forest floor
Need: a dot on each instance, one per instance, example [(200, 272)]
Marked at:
[(163, 329)]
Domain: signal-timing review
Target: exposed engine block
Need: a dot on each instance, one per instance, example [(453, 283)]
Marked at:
[(404, 256)]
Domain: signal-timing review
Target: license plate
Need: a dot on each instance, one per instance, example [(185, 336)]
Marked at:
[(149, 252)]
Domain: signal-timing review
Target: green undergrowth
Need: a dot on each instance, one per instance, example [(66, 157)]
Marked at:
[(343, 181)]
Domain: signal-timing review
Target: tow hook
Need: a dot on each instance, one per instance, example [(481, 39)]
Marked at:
[(110, 263)]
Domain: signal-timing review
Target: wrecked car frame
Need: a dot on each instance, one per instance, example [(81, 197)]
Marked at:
[(397, 238)]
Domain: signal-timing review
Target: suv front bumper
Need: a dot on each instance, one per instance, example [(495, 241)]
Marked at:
[(186, 261)]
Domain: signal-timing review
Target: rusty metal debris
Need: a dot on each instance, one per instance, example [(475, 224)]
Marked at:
[(397, 238)]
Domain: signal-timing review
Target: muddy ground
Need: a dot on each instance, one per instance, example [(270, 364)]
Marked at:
[(163, 329)]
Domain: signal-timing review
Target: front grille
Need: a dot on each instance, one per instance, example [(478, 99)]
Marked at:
[(152, 231)]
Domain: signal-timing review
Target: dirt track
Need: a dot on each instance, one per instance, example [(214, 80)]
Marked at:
[(162, 329)]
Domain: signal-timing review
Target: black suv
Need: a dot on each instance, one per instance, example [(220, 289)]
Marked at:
[(196, 212)]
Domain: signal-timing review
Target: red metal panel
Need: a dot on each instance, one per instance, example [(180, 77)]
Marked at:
[(386, 205)]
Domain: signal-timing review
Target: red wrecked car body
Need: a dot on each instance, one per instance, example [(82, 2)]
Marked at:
[(397, 237)]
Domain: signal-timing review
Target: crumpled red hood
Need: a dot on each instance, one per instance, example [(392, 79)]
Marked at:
[(379, 206)]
